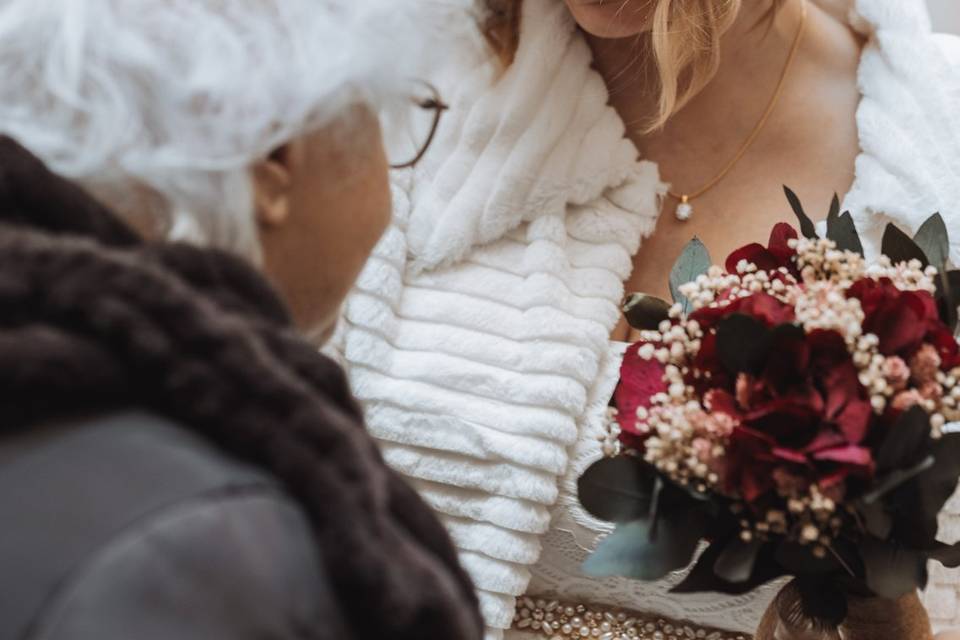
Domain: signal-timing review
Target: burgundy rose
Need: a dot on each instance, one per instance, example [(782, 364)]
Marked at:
[(904, 320), (640, 380), (775, 255), (803, 416), (761, 306)]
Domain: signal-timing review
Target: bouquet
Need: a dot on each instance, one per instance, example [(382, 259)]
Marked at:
[(791, 409)]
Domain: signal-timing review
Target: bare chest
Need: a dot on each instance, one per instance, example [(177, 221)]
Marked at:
[(815, 158)]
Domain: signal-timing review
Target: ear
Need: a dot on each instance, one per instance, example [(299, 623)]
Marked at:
[(272, 182)]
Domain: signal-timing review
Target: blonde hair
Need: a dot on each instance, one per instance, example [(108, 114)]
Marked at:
[(684, 39)]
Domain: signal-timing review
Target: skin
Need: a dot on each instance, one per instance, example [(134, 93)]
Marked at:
[(810, 142), (322, 203)]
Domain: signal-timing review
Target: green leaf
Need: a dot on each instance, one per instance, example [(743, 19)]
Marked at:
[(799, 559), (703, 578), (617, 489), (907, 442), (842, 230), (742, 343), (807, 228), (899, 247), (918, 502), (948, 296), (947, 554), (694, 261), (876, 518), (892, 570), (645, 312), (934, 240), (834, 208), (894, 479), (632, 551), (736, 562)]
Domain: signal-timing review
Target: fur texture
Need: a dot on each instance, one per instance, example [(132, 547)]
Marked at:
[(92, 319)]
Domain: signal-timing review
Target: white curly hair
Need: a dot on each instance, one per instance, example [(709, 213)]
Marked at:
[(162, 106)]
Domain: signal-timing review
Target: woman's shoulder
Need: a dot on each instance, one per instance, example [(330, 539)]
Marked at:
[(115, 519)]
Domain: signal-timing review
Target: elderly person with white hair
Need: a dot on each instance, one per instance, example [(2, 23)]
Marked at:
[(175, 460)]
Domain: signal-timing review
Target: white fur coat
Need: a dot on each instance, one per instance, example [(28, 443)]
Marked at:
[(476, 334)]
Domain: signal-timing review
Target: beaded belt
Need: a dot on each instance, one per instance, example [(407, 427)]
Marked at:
[(561, 621)]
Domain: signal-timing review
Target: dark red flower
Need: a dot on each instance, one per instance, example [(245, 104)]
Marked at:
[(775, 255), (903, 320), (640, 380), (804, 415), (761, 306)]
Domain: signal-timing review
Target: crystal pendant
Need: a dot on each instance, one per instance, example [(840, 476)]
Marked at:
[(684, 209)]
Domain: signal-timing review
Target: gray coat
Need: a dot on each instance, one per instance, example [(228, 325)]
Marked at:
[(127, 527)]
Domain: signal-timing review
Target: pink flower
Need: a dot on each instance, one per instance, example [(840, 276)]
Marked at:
[(925, 364), (931, 391), (896, 372), (703, 449), (720, 425)]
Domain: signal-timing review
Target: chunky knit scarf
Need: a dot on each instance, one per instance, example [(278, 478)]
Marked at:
[(92, 318)]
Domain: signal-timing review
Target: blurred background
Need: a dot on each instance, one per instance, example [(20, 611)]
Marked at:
[(946, 15)]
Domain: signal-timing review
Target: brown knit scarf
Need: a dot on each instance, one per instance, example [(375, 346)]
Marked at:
[(94, 319)]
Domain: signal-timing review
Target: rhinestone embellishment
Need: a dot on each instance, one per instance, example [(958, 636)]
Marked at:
[(554, 620)]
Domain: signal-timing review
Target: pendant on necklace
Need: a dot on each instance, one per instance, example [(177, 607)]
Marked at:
[(684, 209)]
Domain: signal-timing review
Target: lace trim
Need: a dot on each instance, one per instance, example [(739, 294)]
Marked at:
[(585, 529), (561, 621)]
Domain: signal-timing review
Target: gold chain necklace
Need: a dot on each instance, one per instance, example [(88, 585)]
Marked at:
[(684, 209)]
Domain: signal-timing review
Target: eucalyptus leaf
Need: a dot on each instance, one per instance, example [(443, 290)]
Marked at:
[(807, 228), (876, 518), (906, 443), (892, 570), (947, 554), (693, 261), (834, 212), (702, 577), (617, 489), (919, 501), (798, 558), (632, 552), (842, 230), (737, 560), (896, 478), (934, 240), (645, 312), (948, 296), (658, 486), (900, 247)]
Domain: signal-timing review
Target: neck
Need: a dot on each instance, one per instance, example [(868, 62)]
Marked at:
[(752, 55)]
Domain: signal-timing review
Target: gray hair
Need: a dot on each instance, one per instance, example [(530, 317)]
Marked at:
[(162, 106)]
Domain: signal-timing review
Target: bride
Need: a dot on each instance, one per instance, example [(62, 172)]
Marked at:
[(485, 337)]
